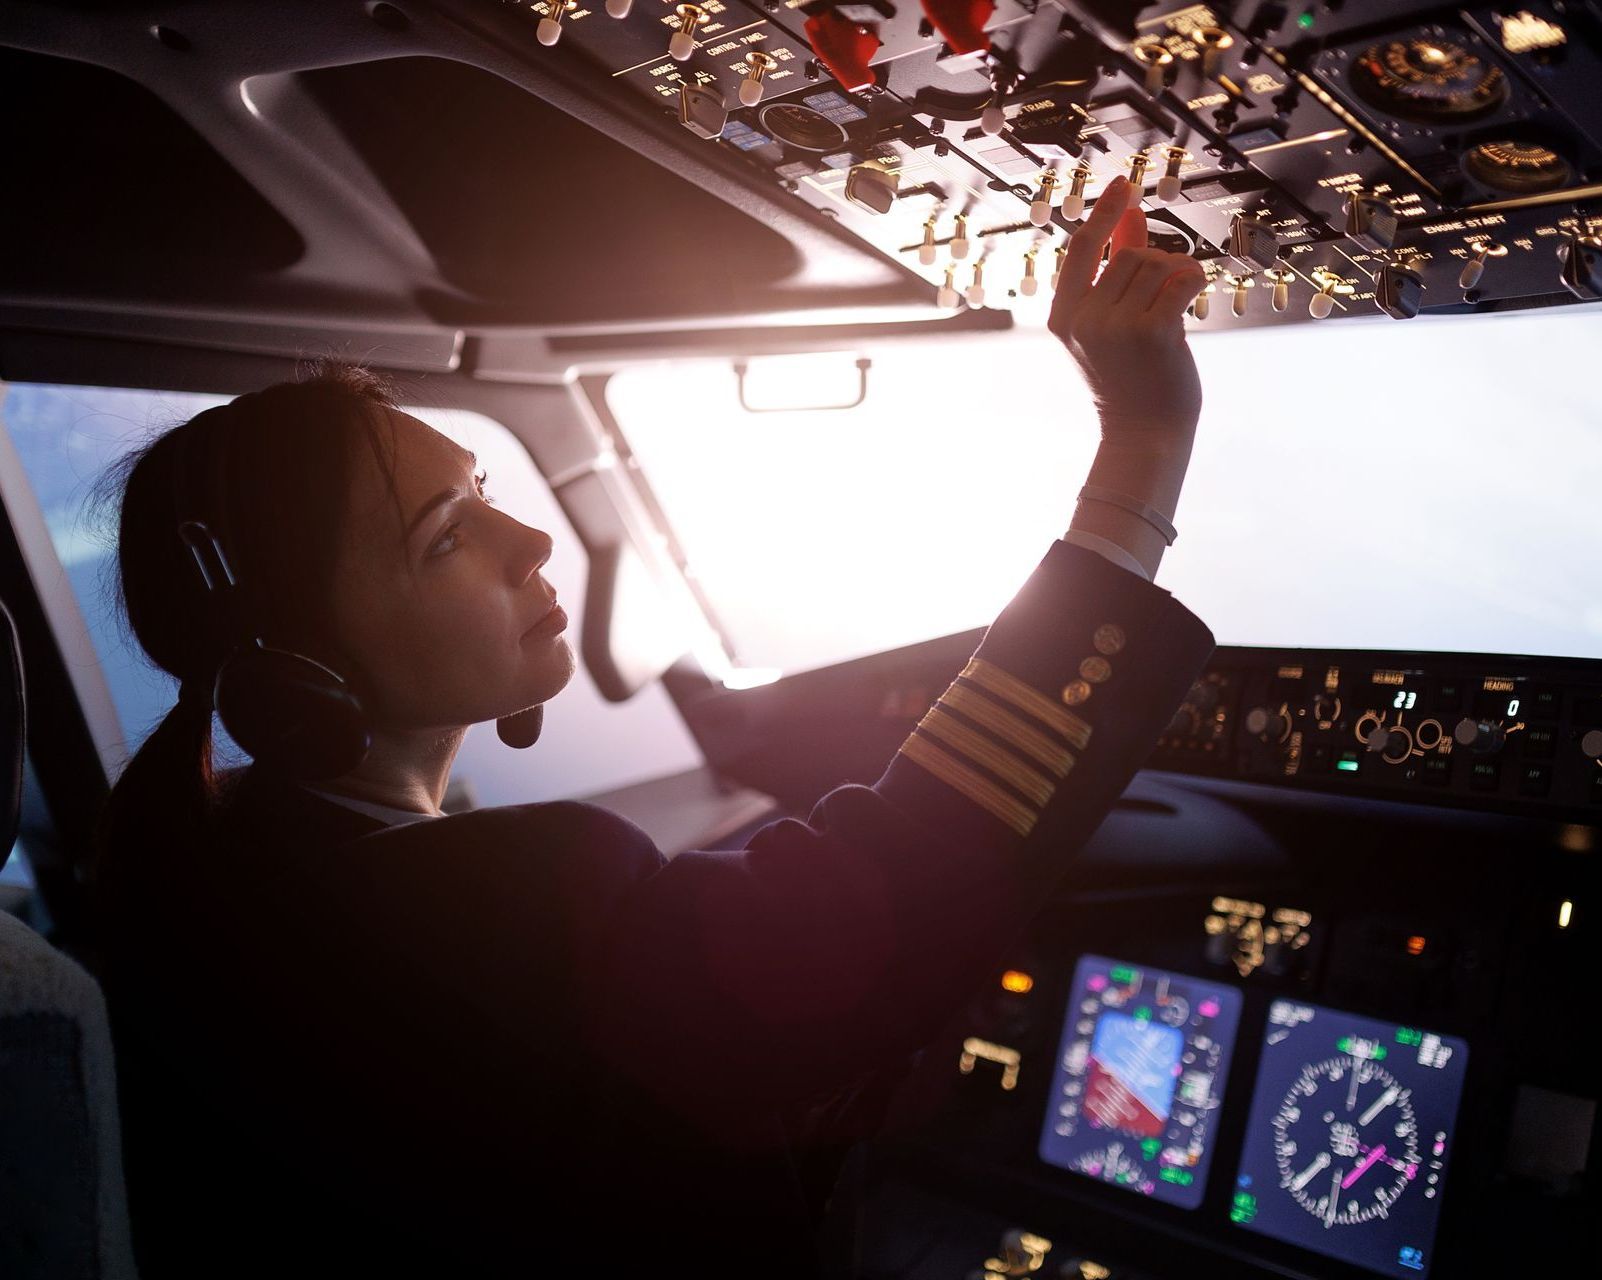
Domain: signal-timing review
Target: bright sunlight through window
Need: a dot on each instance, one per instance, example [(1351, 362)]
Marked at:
[(1429, 485)]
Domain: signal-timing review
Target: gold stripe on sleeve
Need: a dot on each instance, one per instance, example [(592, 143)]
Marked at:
[(1001, 722), (981, 750), (965, 781), (1004, 684)]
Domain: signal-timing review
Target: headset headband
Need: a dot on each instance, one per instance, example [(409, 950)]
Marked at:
[(205, 538)]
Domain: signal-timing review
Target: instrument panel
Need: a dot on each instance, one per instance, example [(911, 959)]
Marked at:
[(1322, 160), (1393, 1101), (1138, 1075), (1346, 1143), (1519, 734)]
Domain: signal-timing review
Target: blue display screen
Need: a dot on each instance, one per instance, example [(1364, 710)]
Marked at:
[(1140, 1073), (1346, 1144)]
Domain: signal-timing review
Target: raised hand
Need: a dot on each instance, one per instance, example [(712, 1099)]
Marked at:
[(1125, 329)]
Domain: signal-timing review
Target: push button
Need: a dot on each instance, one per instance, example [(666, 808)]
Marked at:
[(1485, 775), (1543, 703), (1535, 779), (1437, 771), (1449, 696), (1539, 744)]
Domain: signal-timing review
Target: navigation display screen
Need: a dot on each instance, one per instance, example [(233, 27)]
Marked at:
[(1346, 1144), (1140, 1073)]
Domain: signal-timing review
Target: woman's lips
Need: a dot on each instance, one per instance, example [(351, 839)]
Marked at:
[(550, 624)]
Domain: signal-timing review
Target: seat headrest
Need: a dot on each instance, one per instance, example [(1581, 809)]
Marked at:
[(13, 732)]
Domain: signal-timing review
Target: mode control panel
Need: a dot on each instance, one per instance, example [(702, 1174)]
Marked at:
[(1514, 733)]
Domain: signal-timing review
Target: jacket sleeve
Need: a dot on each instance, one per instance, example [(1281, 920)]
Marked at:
[(826, 948)]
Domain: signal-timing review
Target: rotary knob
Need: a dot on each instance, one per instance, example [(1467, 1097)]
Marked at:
[(1591, 744), (1394, 744), (1267, 723), (1326, 706), (1483, 736)]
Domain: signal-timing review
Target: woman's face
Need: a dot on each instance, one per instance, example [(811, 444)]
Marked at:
[(436, 607)]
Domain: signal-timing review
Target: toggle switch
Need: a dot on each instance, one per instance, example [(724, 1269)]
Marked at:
[(1329, 284), (757, 64), (1138, 164), (1040, 208), (946, 294), (976, 290), (844, 47), (959, 238), (1213, 42), (1399, 291), (1370, 220), (1252, 243), (1281, 278), (1237, 297), (682, 43), (1580, 265), (1073, 204), (1201, 305), (1029, 285), (1474, 268), (1056, 270), (992, 120), (549, 30), (1156, 60), (618, 8), (927, 250), (1168, 186)]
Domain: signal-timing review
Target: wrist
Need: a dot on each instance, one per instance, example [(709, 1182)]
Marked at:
[(1152, 473)]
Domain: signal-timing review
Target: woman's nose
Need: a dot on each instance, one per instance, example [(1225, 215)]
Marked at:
[(534, 547)]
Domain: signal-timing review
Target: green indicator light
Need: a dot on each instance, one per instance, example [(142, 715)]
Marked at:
[(1180, 1177), (1125, 975), (1150, 1147), (1378, 1052), (1142, 1014), (1346, 766), (1244, 1208), (1305, 21), (1344, 1044), (1408, 1035)]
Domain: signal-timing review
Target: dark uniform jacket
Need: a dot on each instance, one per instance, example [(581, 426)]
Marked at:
[(516, 1039)]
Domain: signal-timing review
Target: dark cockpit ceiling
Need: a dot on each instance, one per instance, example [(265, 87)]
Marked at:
[(348, 166)]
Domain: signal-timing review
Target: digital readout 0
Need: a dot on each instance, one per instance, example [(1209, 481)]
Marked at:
[(1139, 1077), (1347, 1138)]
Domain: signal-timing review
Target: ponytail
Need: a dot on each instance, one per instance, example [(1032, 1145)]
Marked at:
[(293, 443)]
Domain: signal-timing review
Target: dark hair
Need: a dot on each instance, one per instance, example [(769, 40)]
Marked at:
[(286, 459)]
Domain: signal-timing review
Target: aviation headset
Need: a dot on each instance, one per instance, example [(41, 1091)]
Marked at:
[(292, 713)]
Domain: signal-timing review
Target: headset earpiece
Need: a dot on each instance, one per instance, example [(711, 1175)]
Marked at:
[(291, 712)]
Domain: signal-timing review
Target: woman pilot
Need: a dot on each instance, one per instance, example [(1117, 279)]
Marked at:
[(359, 1037)]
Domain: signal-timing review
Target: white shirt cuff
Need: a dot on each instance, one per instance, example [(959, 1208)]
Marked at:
[(1107, 548)]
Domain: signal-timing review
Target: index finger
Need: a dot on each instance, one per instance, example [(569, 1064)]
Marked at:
[(1086, 244), (1130, 233)]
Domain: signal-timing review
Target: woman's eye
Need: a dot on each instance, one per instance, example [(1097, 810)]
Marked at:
[(445, 539)]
